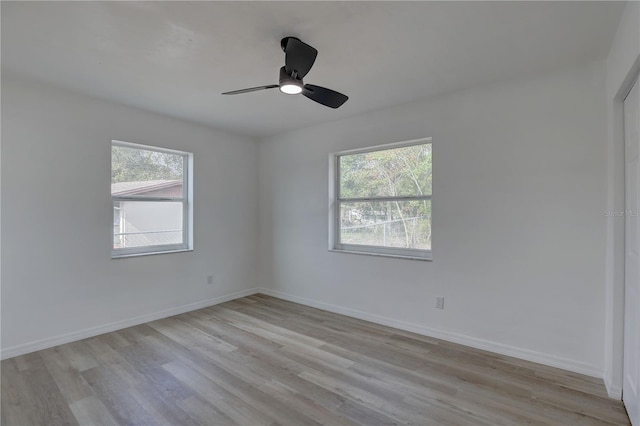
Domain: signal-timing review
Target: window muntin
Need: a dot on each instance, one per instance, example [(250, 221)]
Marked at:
[(382, 200), (150, 196)]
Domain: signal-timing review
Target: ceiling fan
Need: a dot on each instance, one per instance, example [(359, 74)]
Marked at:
[(298, 60)]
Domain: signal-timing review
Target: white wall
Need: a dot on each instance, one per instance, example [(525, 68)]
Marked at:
[(58, 278), (622, 65), (519, 200)]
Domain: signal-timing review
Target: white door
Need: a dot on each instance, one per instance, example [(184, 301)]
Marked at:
[(631, 382)]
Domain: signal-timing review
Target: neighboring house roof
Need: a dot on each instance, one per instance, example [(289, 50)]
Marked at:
[(141, 187)]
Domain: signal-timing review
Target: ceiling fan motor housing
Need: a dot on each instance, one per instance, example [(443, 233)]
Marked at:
[(287, 80)]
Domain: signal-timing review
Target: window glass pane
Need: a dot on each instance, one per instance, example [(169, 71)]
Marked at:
[(140, 172), (393, 172), (402, 224), (146, 223)]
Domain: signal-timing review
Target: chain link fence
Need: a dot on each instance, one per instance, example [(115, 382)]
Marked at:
[(148, 238), (410, 232)]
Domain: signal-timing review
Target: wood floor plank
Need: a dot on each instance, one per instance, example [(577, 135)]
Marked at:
[(245, 341), (250, 393), (233, 375), (180, 331), (261, 328), (66, 377), (14, 396), (116, 396), (109, 357), (217, 397), (91, 411), (204, 413), (164, 410), (364, 416), (260, 360), (381, 400), (306, 404), (79, 355), (35, 397)]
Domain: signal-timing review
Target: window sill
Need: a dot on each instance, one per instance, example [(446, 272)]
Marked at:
[(151, 253), (397, 256)]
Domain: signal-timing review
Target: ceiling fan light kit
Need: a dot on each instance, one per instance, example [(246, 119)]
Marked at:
[(299, 58), (289, 84)]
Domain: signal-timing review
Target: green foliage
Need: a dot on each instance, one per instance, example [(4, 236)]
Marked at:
[(393, 172), (390, 173), (131, 164)]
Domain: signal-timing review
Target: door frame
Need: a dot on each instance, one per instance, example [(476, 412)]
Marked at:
[(615, 227), (633, 336)]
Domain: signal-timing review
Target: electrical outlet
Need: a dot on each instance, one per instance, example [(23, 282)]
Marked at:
[(209, 279), (440, 302)]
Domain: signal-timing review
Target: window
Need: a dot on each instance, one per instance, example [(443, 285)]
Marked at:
[(151, 197), (381, 200)]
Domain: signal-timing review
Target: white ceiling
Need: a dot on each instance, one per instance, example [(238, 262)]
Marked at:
[(177, 57)]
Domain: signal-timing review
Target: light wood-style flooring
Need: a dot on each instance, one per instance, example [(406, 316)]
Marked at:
[(264, 361)]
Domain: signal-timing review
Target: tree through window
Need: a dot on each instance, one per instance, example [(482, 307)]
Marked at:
[(383, 200)]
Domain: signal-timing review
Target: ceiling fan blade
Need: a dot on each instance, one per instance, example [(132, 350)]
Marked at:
[(251, 89), (299, 57), (324, 96)]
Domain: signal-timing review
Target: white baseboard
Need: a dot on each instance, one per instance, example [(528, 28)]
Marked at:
[(614, 391), (526, 354), (118, 325), (487, 345)]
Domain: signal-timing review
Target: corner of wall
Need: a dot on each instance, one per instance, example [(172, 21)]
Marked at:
[(614, 391)]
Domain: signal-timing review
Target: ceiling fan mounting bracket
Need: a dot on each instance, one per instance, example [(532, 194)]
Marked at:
[(284, 41)]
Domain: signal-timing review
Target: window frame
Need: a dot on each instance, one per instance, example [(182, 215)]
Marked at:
[(186, 200), (335, 201)]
